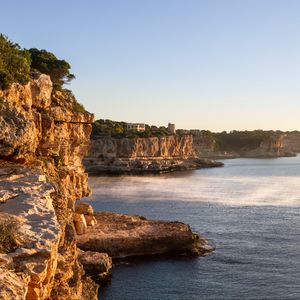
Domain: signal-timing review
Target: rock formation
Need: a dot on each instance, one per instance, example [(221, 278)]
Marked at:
[(43, 139), (291, 141), (277, 144), (142, 155), (123, 236), (42, 143)]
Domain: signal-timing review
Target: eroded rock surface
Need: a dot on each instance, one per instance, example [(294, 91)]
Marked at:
[(144, 155), (96, 264), (35, 259), (43, 140), (124, 236)]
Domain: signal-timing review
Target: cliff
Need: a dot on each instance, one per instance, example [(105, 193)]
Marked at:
[(204, 143), (291, 141), (42, 143), (152, 147), (142, 155), (252, 144)]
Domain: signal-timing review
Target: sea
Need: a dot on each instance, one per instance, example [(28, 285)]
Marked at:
[(249, 210)]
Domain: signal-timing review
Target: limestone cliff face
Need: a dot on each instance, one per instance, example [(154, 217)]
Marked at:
[(277, 145), (42, 143), (273, 146), (159, 147), (204, 144), (139, 155)]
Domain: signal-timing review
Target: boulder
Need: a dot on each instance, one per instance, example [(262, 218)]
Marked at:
[(90, 220), (96, 264), (84, 208), (79, 223)]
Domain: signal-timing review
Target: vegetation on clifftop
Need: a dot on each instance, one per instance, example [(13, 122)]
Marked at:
[(239, 140), (17, 64), (115, 129), (14, 63), (47, 63)]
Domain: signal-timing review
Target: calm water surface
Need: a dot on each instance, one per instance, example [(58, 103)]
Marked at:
[(249, 209)]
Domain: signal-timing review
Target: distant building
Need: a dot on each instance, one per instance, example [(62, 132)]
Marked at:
[(171, 128), (136, 126)]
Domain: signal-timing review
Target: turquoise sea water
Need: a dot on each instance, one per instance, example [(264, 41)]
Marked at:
[(249, 209)]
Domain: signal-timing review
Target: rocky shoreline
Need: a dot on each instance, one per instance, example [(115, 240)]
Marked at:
[(143, 166), (43, 140), (106, 237)]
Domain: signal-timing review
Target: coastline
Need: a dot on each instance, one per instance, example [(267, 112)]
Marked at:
[(106, 237), (144, 166)]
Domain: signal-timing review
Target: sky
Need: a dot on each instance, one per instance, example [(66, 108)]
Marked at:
[(214, 64)]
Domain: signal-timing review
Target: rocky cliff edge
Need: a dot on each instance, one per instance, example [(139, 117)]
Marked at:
[(43, 139)]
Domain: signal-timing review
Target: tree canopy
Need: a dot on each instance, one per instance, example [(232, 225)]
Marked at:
[(17, 64), (47, 63), (239, 140), (14, 63), (115, 129)]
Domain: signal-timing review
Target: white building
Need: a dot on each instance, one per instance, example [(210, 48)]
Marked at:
[(136, 126)]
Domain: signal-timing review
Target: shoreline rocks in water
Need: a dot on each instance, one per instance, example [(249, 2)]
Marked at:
[(124, 236), (142, 166), (96, 265)]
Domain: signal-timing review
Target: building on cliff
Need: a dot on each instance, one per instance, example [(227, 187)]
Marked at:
[(136, 126)]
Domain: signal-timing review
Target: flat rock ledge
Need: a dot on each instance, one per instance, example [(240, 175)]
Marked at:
[(124, 236)]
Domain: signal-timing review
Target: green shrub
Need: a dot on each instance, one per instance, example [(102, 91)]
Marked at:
[(77, 107), (14, 63), (9, 235)]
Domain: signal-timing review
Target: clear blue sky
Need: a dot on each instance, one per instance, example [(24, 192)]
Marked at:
[(214, 64)]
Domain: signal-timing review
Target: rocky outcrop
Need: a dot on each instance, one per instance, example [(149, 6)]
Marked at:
[(291, 141), (96, 264), (277, 144), (123, 236), (144, 155), (204, 143), (42, 143), (164, 147), (36, 257), (270, 147)]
